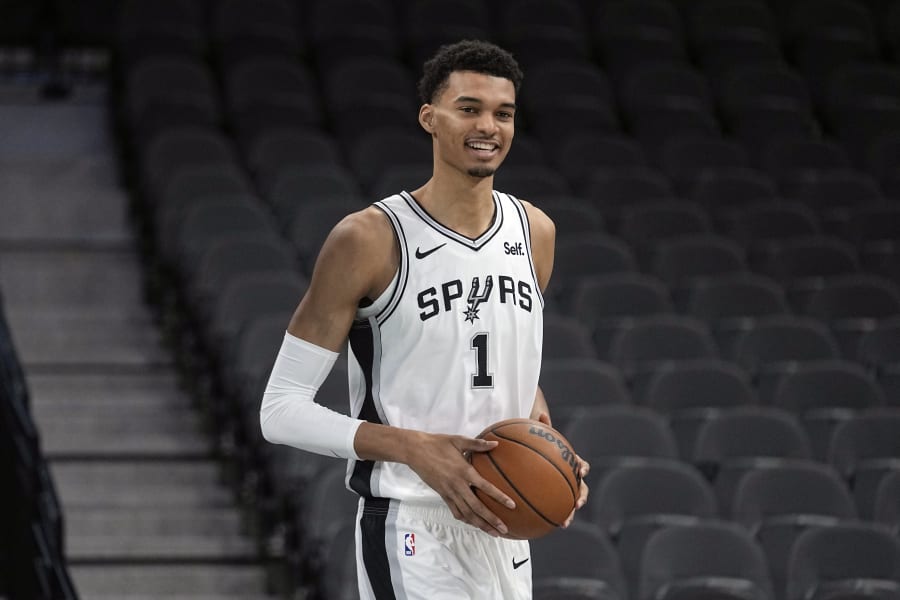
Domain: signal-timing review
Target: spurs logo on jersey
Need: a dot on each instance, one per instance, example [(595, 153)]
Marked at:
[(445, 296), (454, 343), (475, 298)]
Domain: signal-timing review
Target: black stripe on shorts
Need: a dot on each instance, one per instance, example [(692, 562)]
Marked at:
[(375, 554)]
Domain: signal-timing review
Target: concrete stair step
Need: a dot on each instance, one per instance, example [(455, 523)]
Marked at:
[(160, 495), (198, 473), (71, 129), (70, 423), (106, 412), (106, 282), (183, 596), (134, 483), (153, 521), (49, 337), (160, 547), (123, 444), (98, 393), (194, 581), (95, 208)]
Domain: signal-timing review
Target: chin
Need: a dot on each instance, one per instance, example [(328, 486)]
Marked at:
[(481, 171)]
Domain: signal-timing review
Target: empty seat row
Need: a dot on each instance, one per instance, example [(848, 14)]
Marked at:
[(654, 530), (616, 32), (654, 103)]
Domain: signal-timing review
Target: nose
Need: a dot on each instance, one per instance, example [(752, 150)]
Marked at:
[(486, 123)]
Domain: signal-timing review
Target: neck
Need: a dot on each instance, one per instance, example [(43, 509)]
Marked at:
[(458, 201)]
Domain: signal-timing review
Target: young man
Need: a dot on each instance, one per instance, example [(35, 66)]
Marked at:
[(439, 291)]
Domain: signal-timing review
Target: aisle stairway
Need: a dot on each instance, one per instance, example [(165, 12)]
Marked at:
[(146, 512)]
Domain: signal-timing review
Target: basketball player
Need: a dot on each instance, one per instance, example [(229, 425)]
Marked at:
[(440, 293)]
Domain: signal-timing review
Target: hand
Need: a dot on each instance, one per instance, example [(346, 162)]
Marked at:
[(440, 460), (583, 469)]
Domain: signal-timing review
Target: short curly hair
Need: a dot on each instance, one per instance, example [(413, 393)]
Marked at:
[(467, 55)]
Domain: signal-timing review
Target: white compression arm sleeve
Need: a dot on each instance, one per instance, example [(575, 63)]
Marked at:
[(289, 414)]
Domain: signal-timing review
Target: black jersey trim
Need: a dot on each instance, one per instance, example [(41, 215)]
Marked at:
[(362, 342), (373, 527), (403, 276), (471, 243), (526, 232)]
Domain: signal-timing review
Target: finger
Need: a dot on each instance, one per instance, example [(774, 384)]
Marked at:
[(474, 512), (467, 445), (582, 496), (485, 520), (482, 511), (492, 491), (584, 467), (476, 520), (545, 419)]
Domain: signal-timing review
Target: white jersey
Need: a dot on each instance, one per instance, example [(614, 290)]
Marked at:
[(453, 344)]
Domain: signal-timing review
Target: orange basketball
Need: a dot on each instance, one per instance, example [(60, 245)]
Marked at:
[(535, 466)]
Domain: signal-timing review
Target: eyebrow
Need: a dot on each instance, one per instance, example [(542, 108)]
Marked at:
[(471, 99)]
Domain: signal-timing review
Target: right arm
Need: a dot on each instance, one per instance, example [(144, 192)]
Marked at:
[(358, 260)]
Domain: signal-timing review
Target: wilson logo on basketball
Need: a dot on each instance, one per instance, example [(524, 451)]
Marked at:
[(565, 452)]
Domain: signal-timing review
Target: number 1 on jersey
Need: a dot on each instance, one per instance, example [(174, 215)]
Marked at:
[(481, 378)]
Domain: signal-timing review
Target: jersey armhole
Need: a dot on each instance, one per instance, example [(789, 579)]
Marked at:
[(382, 307)]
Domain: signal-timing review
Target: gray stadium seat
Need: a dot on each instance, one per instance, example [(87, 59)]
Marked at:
[(536, 31), (606, 303), (825, 393), (777, 503), (709, 559), (270, 93), (862, 449), (610, 436), (691, 392), (734, 32), (743, 438), (242, 29), (566, 337), (843, 560), (433, 23), (581, 550), (626, 34), (879, 350), (572, 383), (631, 502)]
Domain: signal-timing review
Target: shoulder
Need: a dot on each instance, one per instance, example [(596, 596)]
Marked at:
[(365, 231), (543, 229), (543, 241), (361, 247)]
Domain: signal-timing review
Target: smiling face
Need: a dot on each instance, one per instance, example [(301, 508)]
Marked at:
[(471, 122)]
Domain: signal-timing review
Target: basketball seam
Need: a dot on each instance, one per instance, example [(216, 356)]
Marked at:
[(545, 457), (518, 492)]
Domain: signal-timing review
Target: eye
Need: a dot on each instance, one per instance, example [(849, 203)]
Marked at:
[(468, 109), (505, 115)]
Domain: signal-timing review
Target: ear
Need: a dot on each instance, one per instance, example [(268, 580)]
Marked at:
[(426, 118)]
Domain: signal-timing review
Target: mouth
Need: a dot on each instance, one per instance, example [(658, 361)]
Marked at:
[(483, 149)]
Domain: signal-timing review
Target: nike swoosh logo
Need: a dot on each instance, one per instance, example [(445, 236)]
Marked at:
[(420, 254), (518, 564)]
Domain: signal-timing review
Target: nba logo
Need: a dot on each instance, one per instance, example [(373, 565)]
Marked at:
[(409, 544)]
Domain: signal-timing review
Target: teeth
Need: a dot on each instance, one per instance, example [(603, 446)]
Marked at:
[(481, 145)]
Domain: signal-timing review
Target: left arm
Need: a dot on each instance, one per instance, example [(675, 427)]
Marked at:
[(543, 243), (540, 407)]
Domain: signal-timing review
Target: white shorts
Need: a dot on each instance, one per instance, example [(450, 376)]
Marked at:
[(415, 551)]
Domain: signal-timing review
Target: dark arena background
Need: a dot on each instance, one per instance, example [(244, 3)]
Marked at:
[(722, 331)]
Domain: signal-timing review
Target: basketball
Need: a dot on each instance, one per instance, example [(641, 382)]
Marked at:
[(536, 467)]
